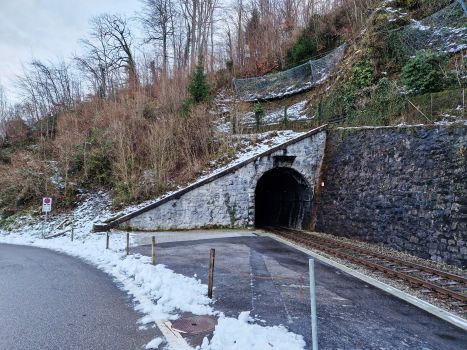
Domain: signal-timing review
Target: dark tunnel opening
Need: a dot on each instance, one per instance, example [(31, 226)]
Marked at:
[(283, 197)]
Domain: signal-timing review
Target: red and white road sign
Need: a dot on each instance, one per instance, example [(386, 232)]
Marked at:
[(46, 204)]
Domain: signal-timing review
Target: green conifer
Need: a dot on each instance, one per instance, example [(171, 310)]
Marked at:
[(198, 87)]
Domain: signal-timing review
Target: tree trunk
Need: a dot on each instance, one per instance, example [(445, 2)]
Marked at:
[(193, 33)]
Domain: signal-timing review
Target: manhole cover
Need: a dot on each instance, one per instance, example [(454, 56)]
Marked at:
[(195, 324)]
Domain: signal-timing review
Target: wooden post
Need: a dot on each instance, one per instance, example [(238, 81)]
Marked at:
[(211, 272), (107, 245), (153, 250), (127, 243), (72, 232)]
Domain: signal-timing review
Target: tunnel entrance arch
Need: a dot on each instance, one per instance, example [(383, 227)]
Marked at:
[(283, 197)]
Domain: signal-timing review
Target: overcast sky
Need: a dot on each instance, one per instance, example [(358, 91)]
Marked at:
[(47, 28)]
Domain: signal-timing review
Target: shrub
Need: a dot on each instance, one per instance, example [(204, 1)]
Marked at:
[(258, 114), (26, 179), (229, 65), (362, 74), (409, 4), (423, 73)]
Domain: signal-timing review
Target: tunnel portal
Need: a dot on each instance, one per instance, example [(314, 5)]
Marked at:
[(283, 197)]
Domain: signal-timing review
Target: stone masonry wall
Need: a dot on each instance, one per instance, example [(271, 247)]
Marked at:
[(405, 188), (229, 201)]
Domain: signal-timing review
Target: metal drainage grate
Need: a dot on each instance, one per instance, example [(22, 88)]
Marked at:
[(195, 325)]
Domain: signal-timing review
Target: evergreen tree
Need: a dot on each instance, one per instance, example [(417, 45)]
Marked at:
[(303, 50), (424, 72), (198, 87)]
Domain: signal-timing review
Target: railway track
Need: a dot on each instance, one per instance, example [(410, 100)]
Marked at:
[(426, 279)]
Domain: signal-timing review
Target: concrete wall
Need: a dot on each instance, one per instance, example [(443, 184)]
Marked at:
[(229, 201), (401, 187)]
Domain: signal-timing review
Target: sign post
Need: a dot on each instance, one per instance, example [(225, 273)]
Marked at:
[(46, 207)]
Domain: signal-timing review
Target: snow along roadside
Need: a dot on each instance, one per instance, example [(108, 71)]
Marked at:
[(157, 291)]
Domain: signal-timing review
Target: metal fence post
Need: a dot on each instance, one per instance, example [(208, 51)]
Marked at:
[(45, 226), (314, 332)]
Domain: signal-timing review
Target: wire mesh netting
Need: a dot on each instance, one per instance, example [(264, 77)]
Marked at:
[(290, 81), (443, 31)]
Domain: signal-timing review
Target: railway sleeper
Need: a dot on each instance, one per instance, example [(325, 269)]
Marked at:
[(450, 283), (425, 291), (434, 279), (458, 304)]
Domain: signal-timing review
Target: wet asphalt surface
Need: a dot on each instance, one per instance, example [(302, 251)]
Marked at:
[(51, 301), (351, 313)]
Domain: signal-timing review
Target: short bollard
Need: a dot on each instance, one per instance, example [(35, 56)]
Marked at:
[(127, 243), (153, 250), (314, 331), (211, 272), (107, 245), (72, 233)]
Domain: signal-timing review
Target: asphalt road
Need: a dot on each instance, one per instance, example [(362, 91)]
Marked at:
[(352, 315), (53, 301)]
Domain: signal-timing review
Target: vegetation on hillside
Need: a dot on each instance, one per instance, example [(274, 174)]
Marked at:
[(374, 86), (139, 126)]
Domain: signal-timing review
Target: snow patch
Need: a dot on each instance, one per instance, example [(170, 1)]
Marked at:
[(154, 344), (241, 334)]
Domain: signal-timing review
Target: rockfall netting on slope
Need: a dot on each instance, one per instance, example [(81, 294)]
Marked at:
[(443, 31), (290, 81)]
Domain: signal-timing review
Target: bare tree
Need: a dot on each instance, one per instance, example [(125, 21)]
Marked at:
[(190, 12), (157, 18), (108, 49), (3, 113), (200, 22), (48, 87)]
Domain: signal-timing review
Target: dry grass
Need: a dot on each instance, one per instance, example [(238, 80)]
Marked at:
[(26, 178), (134, 142)]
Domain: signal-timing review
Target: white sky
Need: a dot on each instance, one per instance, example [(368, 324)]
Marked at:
[(47, 28)]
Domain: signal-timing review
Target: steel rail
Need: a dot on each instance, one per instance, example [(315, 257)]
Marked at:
[(390, 271), (382, 256)]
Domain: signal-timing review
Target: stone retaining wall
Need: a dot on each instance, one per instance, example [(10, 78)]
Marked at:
[(405, 188)]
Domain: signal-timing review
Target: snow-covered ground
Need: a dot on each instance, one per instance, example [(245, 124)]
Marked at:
[(159, 293)]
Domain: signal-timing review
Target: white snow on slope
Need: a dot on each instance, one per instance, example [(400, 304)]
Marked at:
[(294, 112)]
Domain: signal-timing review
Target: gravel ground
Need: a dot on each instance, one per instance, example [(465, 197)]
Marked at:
[(401, 285)]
